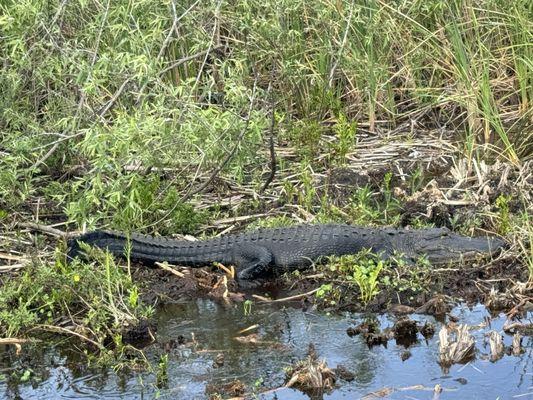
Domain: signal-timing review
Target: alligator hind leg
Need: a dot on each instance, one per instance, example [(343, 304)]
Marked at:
[(252, 262)]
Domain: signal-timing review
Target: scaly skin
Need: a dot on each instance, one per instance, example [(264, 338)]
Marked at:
[(259, 253)]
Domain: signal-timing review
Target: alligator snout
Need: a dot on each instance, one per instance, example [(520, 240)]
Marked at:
[(452, 247)]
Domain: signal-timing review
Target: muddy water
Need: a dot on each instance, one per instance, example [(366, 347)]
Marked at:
[(206, 329)]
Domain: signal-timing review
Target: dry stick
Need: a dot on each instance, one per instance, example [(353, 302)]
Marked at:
[(59, 329), (46, 156), (45, 229), (174, 25), (9, 268), (341, 49), (298, 296), (59, 12), (10, 257), (273, 163), (230, 154), (167, 268), (190, 58), (113, 99), (13, 341)]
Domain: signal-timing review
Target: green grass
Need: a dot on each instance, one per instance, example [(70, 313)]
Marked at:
[(97, 299)]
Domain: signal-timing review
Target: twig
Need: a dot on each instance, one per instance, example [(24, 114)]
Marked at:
[(232, 220), (59, 329), (273, 163), (250, 328), (177, 63), (230, 155), (190, 58), (46, 229), (113, 99), (174, 26), (341, 49), (46, 156), (229, 271), (13, 341), (298, 296), (167, 268), (10, 257), (7, 268)]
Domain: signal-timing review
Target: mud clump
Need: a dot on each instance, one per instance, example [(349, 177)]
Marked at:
[(140, 334), (427, 206), (344, 373), (219, 360), (405, 332), (232, 389), (427, 330), (437, 306), (371, 334)]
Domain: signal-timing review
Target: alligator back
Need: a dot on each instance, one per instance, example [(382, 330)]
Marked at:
[(253, 253)]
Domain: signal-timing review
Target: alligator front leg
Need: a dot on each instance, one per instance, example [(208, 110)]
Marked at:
[(252, 261)]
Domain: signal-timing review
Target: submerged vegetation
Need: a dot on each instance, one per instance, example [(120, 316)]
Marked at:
[(192, 117)]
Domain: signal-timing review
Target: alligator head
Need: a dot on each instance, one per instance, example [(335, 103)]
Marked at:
[(440, 246)]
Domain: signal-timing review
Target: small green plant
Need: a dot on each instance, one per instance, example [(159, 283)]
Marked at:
[(345, 132), (408, 278), (247, 307), (502, 203), (363, 269), (307, 192), (365, 209), (324, 290), (162, 371), (366, 276)]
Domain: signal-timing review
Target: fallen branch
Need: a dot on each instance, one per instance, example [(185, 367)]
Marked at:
[(59, 329), (7, 268), (46, 229), (13, 341), (298, 296)]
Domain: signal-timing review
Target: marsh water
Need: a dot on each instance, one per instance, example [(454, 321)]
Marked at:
[(195, 333)]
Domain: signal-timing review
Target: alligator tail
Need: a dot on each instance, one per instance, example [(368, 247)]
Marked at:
[(149, 249)]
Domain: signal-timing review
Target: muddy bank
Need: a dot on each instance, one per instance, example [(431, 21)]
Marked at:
[(494, 283)]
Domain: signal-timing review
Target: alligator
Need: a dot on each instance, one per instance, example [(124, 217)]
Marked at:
[(267, 251)]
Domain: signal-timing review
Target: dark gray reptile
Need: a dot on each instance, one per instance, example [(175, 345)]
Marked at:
[(261, 252)]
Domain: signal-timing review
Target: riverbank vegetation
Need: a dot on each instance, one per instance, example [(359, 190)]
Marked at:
[(200, 118)]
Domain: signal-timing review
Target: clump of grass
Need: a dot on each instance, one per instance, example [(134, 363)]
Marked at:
[(88, 296), (162, 372), (522, 230), (502, 203)]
